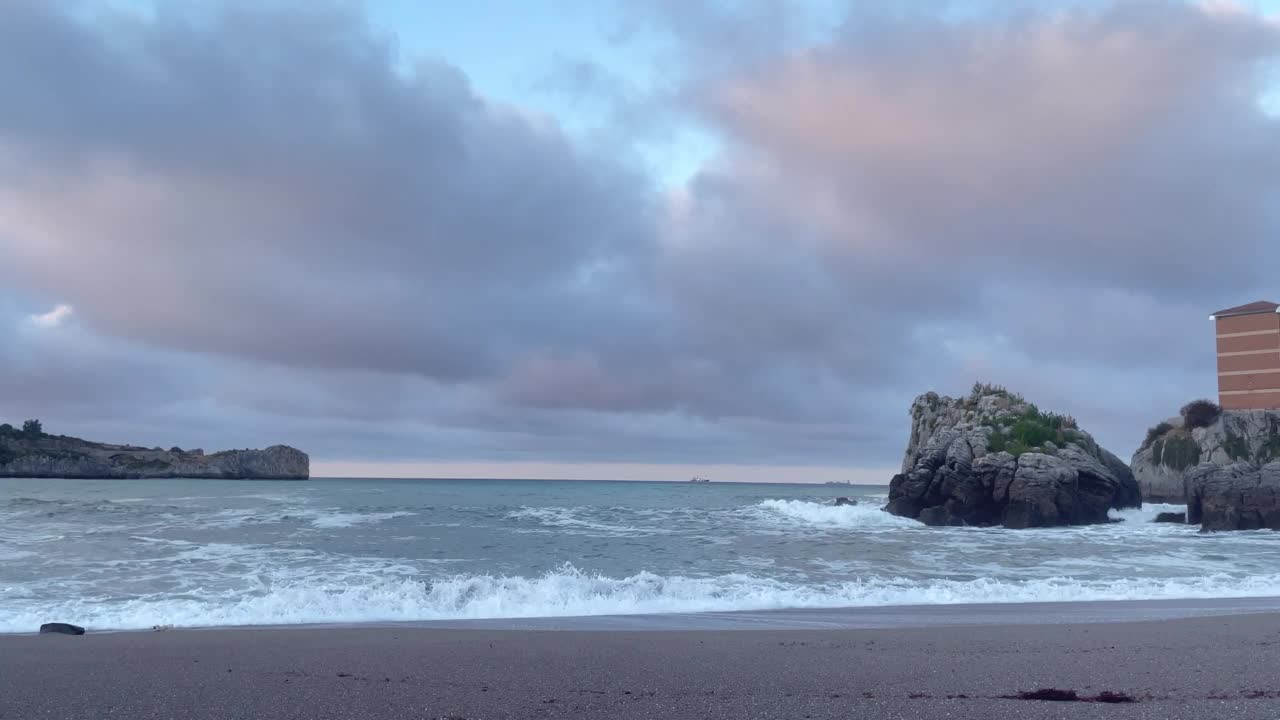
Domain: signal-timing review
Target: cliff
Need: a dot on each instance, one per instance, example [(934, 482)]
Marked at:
[(992, 458), (1202, 434), (1235, 496), (28, 453)]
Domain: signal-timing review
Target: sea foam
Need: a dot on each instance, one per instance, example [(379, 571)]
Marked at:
[(827, 515), (568, 592)]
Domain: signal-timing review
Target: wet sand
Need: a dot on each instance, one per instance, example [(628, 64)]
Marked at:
[(1223, 666)]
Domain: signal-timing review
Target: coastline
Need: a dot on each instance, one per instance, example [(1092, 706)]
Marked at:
[(881, 617), (1215, 666)]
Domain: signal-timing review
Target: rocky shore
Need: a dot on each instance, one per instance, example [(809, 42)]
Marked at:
[(1224, 464), (30, 452), (1202, 433), (992, 458)]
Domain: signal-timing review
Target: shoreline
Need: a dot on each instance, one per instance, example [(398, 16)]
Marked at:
[(885, 617), (1214, 666)]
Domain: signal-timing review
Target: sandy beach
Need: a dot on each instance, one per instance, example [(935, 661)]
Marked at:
[(1199, 667)]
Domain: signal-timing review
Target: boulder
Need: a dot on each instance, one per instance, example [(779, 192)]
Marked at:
[(1174, 446), (1238, 496), (994, 459), (1171, 517), (61, 629), (845, 501)]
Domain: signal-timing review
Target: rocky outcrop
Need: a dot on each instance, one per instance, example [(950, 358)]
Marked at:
[(994, 459), (1217, 437), (24, 454), (1237, 496), (1171, 517)]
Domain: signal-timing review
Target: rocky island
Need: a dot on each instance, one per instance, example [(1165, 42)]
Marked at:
[(1224, 464), (31, 452), (992, 458)]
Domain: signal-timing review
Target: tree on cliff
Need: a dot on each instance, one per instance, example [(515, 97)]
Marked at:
[(32, 429)]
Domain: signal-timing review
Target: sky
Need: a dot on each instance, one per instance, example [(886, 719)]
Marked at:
[(624, 239)]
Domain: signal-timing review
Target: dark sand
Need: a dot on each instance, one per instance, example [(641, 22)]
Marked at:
[(1224, 666)]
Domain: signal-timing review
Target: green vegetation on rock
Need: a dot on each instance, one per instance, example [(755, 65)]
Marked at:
[(1176, 450), (1200, 414), (1031, 432), (1270, 451), (1155, 433), (981, 389), (1236, 447)]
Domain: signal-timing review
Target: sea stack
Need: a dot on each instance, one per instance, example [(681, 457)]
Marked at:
[(992, 458), (1203, 433)]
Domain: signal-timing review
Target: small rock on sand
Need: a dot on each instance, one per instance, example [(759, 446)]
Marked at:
[(61, 628)]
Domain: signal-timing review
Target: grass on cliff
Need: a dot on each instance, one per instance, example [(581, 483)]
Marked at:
[(1155, 433), (1030, 431), (1176, 450), (1200, 414), (1271, 450), (982, 389)]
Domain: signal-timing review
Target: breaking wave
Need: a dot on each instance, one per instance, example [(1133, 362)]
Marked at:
[(568, 592), (826, 515)]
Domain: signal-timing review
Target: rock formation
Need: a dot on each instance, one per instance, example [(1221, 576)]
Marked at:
[(1203, 433), (993, 459), (1237, 496), (25, 453)]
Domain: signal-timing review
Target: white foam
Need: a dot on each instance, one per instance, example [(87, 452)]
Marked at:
[(823, 515), (336, 519), (570, 592), (574, 520), (1145, 514), (327, 519)]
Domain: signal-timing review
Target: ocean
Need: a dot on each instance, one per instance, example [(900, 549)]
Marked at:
[(119, 555)]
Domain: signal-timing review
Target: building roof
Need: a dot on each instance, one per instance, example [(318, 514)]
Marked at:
[(1253, 308)]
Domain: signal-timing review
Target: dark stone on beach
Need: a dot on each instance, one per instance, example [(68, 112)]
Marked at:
[(61, 628), (1171, 517), (1057, 695), (1240, 496), (845, 501), (1050, 694)]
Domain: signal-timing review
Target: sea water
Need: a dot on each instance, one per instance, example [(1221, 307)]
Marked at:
[(190, 553)]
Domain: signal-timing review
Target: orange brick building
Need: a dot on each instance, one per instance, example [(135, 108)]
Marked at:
[(1249, 356)]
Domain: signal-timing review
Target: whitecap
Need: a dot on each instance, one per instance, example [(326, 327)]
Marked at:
[(567, 591), (828, 516)]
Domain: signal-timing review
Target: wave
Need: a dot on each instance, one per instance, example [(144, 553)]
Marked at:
[(824, 515), (329, 519), (574, 520), (324, 519), (568, 592), (1145, 514)]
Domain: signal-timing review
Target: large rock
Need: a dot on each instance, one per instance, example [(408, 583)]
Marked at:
[(59, 456), (1175, 446), (1238, 496), (993, 459)]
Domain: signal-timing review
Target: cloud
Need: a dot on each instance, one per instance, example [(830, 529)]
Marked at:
[(55, 317), (296, 231)]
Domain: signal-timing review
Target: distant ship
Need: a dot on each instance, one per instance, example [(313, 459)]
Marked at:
[(837, 482), (695, 478)]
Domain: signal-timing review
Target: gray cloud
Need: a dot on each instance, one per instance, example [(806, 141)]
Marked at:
[(271, 222)]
